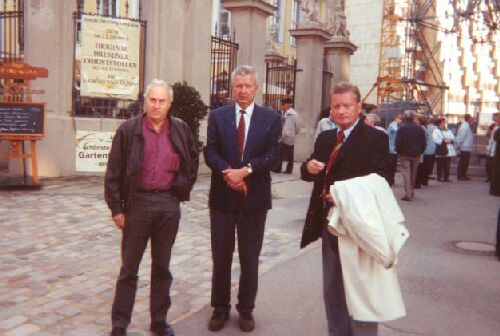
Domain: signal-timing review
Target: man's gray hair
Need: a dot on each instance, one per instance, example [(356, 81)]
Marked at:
[(372, 117), (409, 114), (244, 70), (158, 82)]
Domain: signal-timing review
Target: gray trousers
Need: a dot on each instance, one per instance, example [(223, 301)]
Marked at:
[(337, 315), (409, 167), (152, 216)]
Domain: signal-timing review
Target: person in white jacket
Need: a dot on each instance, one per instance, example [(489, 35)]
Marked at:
[(443, 161), (465, 140)]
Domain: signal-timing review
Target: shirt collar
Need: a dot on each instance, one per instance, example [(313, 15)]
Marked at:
[(248, 110), (349, 130), (147, 123)]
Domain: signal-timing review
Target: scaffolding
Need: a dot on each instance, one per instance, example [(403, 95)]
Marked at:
[(409, 68)]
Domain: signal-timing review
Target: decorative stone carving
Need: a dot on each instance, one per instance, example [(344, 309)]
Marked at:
[(337, 20), (311, 14), (271, 38)]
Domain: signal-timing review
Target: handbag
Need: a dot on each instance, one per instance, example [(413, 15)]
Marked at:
[(442, 149)]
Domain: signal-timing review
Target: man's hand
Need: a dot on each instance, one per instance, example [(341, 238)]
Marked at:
[(314, 167), (241, 187), (119, 221), (234, 179), (235, 176), (328, 198)]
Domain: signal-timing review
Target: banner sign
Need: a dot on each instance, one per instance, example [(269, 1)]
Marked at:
[(109, 57), (92, 150)]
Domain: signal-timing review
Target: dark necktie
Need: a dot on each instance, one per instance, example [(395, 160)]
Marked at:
[(333, 155), (241, 132)]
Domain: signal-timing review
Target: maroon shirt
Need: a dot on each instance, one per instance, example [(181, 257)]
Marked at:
[(161, 162)]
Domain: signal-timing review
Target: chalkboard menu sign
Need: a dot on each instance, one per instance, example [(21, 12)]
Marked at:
[(22, 119)]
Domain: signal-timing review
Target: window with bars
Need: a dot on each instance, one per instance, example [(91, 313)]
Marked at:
[(98, 106), (11, 30)]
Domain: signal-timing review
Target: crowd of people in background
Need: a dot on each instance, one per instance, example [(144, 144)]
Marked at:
[(435, 145)]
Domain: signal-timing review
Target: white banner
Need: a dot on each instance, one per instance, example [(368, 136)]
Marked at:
[(109, 57), (92, 150)]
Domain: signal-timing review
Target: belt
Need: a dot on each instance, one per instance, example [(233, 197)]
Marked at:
[(152, 191)]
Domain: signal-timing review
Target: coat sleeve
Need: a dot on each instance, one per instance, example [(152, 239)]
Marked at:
[(271, 156), (437, 136), (397, 142), (461, 133), (194, 157), (381, 157), (423, 137), (318, 148), (115, 172), (212, 157)]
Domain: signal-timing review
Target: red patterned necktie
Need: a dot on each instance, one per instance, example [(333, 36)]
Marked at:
[(241, 132), (333, 155)]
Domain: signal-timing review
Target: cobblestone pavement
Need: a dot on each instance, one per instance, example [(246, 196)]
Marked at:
[(60, 258)]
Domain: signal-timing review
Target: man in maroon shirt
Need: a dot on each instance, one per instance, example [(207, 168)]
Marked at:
[(151, 168)]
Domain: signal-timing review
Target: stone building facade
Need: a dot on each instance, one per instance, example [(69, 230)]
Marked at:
[(177, 48)]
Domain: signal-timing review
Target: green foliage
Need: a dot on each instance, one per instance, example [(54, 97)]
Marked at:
[(189, 107)]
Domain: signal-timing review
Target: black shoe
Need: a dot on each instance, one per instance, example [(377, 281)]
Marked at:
[(417, 187), (407, 199), (162, 329), (246, 322), (277, 171), (218, 320), (287, 172), (447, 180), (116, 331)]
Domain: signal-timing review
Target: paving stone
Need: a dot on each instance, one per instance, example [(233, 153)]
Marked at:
[(12, 322), (23, 330), (60, 260)]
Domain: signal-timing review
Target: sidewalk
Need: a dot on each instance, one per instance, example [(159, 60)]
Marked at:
[(60, 259), (447, 291)]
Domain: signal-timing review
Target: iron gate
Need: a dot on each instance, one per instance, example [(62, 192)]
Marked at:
[(224, 53), (280, 83)]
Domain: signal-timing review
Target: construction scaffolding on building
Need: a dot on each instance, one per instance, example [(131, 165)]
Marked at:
[(411, 60), (409, 74)]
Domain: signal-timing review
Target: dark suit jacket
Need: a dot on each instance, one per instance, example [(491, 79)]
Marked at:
[(261, 151), (365, 151)]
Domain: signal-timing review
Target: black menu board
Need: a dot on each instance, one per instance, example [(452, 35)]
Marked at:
[(21, 118)]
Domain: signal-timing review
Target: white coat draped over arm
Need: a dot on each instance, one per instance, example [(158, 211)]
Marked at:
[(368, 222)]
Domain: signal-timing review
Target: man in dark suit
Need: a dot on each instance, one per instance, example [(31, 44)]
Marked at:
[(242, 147), (353, 149)]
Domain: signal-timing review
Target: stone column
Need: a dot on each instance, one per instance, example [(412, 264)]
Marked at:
[(197, 51), (49, 41), (249, 25), (308, 88), (338, 51), (164, 39)]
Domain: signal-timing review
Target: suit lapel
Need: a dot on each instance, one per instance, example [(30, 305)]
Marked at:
[(232, 142), (255, 121)]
